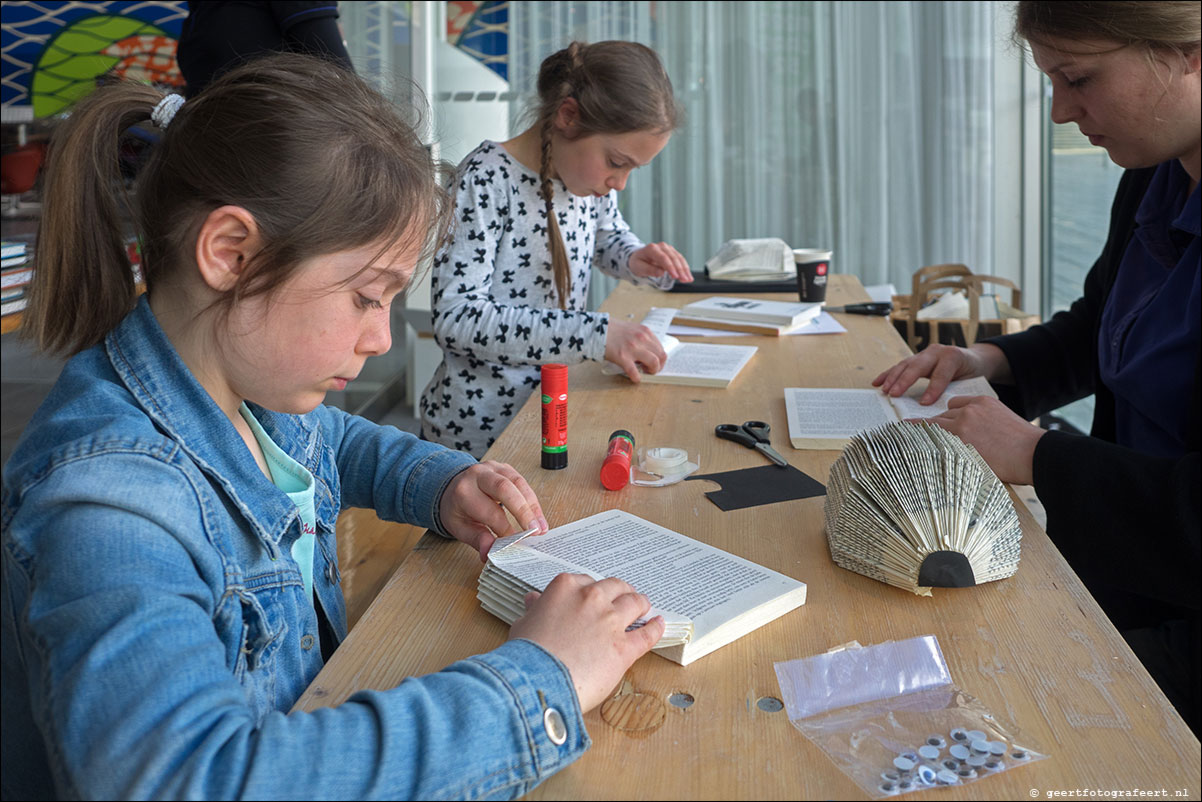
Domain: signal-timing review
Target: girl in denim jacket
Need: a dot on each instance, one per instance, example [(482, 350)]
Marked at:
[(170, 581)]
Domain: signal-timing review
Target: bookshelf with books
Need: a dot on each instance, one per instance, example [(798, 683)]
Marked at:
[(16, 271), (17, 267)]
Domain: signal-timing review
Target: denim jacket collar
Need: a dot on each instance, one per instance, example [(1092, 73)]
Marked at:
[(152, 370)]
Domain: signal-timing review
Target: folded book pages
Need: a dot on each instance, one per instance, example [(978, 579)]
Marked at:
[(912, 505), (751, 260), (708, 597)]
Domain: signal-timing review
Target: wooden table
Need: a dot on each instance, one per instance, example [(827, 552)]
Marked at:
[(1035, 648)]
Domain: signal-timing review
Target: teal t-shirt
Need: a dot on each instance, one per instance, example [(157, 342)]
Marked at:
[(295, 480)]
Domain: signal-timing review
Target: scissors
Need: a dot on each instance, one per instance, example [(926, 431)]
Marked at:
[(752, 434)]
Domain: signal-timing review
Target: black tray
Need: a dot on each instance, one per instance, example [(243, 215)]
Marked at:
[(716, 286)]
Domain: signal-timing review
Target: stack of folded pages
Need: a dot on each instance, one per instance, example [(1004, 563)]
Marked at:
[(912, 505)]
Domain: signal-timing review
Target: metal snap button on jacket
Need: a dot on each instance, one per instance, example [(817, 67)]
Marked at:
[(557, 731)]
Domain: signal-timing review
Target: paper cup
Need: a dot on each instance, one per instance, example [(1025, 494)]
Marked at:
[(812, 265)]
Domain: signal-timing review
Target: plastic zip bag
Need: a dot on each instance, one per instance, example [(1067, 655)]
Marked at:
[(891, 719)]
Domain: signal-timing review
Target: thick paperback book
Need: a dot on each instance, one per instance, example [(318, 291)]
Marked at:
[(751, 310), (708, 597)]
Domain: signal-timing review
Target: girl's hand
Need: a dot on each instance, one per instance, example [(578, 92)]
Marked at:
[(943, 364), (1003, 439), (583, 623), (658, 258), (629, 343), (473, 506)]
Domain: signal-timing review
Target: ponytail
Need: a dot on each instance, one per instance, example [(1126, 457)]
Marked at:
[(247, 140), (82, 282)]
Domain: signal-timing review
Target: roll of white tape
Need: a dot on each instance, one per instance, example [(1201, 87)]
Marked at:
[(664, 461)]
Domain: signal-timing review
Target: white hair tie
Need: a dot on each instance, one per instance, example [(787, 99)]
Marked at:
[(165, 111)]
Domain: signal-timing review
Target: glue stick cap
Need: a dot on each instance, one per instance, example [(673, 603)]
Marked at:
[(615, 470)]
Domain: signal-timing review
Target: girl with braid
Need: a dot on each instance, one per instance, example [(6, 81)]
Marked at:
[(533, 215)]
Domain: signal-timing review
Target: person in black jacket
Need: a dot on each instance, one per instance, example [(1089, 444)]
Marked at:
[(1123, 503), (218, 35)]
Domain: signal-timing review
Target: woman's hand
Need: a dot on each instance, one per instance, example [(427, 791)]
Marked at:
[(583, 623), (1002, 438), (658, 258), (943, 364), (473, 506), (630, 344)]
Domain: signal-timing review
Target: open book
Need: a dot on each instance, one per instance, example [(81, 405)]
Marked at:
[(695, 364), (708, 597), (700, 364), (827, 418), (772, 316)]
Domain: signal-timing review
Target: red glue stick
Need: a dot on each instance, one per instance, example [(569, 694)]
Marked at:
[(555, 416), (615, 471)]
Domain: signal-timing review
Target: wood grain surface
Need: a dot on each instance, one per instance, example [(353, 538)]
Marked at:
[(1034, 649)]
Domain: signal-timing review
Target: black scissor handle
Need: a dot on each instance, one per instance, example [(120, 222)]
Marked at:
[(758, 429), (880, 308), (728, 431)]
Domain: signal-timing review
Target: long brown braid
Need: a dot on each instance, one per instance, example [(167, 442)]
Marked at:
[(619, 87), (560, 269)]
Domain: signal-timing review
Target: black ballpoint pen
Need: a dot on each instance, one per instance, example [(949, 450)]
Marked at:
[(882, 308)]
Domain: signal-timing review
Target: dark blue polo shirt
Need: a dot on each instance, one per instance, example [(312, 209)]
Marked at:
[(1149, 336)]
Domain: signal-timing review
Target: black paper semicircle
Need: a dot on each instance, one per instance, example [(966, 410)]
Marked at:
[(946, 569)]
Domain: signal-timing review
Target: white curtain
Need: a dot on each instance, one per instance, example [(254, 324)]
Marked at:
[(865, 127)]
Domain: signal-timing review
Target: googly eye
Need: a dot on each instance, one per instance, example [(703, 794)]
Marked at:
[(948, 778)]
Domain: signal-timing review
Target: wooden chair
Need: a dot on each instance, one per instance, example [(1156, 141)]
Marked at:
[(368, 555), (952, 276)]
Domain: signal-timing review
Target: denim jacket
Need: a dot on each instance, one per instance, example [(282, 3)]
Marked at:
[(155, 629)]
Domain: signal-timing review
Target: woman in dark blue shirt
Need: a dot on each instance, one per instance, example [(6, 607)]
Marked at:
[(1122, 504)]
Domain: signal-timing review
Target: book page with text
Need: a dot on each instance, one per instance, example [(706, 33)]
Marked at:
[(828, 417), (676, 573), (720, 363)]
